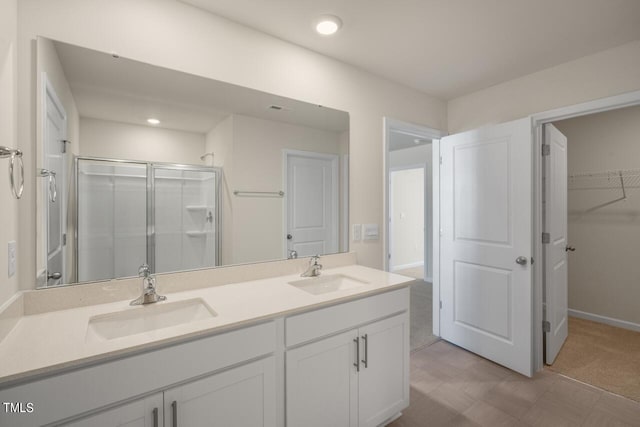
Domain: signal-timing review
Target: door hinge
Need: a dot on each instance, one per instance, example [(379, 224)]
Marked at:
[(546, 149), (440, 159), (440, 304), (388, 256), (546, 326), (546, 238), (64, 239)]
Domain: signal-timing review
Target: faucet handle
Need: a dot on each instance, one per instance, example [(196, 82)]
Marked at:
[(314, 260), (144, 271)]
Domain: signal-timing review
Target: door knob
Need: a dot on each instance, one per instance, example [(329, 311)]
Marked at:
[(522, 260), (54, 276), (289, 237), (570, 249)]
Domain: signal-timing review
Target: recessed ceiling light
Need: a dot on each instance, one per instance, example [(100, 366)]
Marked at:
[(153, 121), (328, 24)]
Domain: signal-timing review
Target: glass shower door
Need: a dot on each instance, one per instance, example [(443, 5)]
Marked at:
[(112, 219), (185, 218)]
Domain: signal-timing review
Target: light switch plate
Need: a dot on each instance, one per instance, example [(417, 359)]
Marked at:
[(11, 255), (357, 232), (371, 232)]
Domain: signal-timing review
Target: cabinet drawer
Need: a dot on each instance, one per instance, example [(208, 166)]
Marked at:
[(87, 389), (326, 321)]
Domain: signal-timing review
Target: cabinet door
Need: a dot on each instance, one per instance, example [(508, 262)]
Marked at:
[(321, 383), (244, 396), (140, 413), (384, 373)]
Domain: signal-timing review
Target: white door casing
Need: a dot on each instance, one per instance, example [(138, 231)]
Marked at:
[(555, 254), (310, 203), (486, 223), (53, 188)]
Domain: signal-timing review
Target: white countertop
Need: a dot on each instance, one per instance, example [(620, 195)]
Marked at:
[(46, 343)]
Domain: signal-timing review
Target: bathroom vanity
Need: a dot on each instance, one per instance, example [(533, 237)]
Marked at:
[(285, 350)]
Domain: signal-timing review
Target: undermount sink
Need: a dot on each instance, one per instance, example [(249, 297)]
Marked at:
[(147, 318), (329, 283)]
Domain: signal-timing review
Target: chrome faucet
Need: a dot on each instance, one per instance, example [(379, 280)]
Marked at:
[(314, 267), (149, 294)]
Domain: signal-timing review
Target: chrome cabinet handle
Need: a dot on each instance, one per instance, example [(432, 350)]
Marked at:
[(357, 364), (522, 260), (365, 361), (155, 417), (174, 413), (569, 249)]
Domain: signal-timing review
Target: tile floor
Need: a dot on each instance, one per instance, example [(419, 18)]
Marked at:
[(452, 387)]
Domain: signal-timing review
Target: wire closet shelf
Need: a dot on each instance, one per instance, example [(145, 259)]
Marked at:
[(622, 179)]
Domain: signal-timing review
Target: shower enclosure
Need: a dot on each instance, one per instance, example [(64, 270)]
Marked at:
[(130, 213)]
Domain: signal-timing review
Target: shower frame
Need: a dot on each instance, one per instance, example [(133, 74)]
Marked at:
[(150, 202)]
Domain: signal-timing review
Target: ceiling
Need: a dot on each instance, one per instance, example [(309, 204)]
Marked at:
[(127, 91), (399, 140), (445, 48)]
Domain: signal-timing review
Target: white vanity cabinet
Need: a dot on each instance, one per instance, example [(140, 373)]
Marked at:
[(227, 367), (355, 378), (322, 383), (145, 412), (345, 364), (243, 396)]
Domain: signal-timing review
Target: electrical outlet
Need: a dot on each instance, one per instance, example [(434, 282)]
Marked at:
[(11, 255)]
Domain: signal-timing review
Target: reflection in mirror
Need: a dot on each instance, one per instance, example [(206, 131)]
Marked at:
[(141, 164)]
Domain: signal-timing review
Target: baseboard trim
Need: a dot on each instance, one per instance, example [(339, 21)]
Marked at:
[(604, 319)]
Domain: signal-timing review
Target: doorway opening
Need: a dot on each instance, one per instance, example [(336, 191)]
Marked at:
[(409, 220), (591, 178)]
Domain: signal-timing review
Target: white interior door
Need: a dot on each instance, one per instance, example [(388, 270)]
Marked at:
[(555, 252), (311, 203), (486, 246), (53, 185)]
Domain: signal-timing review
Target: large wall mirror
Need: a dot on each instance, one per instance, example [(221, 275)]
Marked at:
[(140, 164)]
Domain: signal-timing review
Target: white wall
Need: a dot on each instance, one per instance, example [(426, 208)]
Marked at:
[(604, 272), (115, 140), (250, 152), (171, 34), (8, 137), (407, 202), (603, 74), (410, 157)]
